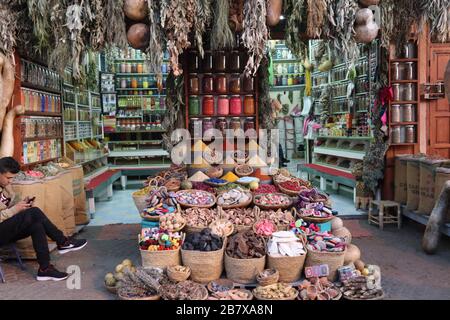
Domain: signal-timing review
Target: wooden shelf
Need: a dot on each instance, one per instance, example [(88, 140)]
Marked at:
[(403, 144), (38, 162), (137, 74), (405, 81), (404, 102), (223, 94), (140, 95), (405, 60), (42, 138), (344, 153), (137, 89), (222, 116), (293, 87), (40, 88), (402, 123), (42, 114), (139, 131)]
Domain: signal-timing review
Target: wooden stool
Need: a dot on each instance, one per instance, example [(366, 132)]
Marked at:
[(384, 216)]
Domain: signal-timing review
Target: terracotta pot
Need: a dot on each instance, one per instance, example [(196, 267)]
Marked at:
[(138, 36), (368, 3), (135, 10), (366, 29), (274, 8)]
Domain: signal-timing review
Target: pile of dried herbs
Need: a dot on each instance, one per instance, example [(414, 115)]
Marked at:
[(255, 34), (437, 13)]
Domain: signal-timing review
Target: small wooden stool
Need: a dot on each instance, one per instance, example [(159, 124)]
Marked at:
[(385, 216)]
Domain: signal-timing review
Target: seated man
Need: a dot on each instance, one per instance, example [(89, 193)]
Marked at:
[(19, 220)]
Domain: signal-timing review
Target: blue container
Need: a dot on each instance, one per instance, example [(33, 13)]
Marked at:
[(323, 227), (149, 224)]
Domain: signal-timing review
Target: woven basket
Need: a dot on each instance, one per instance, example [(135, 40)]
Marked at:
[(224, 221), (140, 203), (185, 205), (237, 228), (334, 260), (160, 259), (240, 205), (315, 219), (193, 229), (359, 299), (266, 237), (272, 207), (293, 297), (244, 270), (221, 282), (290, 268), (217, 174), (205, 266), (242, 174), (111, 289), (150, 298), (266, 281), (177, 276)]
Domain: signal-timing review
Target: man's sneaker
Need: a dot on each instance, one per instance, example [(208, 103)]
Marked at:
[(72, 245), (50, 273)]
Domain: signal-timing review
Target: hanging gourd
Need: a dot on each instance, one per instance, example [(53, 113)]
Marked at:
[(135, 10), (274, 8), (139, 36), (366, 29)]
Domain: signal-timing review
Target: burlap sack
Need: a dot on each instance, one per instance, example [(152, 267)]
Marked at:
[(53, 203), (67, 198), (413, 183), (400, 179), (442, 176), (427, 184), (81, 215)]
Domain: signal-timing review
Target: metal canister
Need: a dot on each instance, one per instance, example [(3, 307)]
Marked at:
[(395, 135), (395, 113), (408, 114), (410, 134)]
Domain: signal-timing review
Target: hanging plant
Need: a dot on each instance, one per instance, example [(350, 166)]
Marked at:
[(202, 20), (266, 114), (387, 22), (174, 105), (74, 22), (255, 35), (39, 12), (60, 54), (317, 11), (179, 20), (437, 13), (236, 18), (297, 14), (409, 12), (221, 35), (8, 29), (155, 50), (98, 36), (116, 31)]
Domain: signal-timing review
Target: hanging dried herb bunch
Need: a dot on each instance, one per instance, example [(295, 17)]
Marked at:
[(265, 105), (8, 29), (179, 20), (98, 35), (116, 31), (410, 13), (39, 12), (256, 34), (155, 50), (60, 55), (221, 36), (317, 12), (437, 13), (387, 22), (202, 20), (297, 14), (174, 103)]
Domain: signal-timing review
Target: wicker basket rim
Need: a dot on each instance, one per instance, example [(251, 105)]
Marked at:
[(261, 298), (197, 206)]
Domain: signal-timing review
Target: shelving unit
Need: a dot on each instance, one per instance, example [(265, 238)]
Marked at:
[(38, 133)]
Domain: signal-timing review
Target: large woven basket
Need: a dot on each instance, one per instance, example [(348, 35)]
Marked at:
[(272, 207), (205, 266), (140, 202), (334, 260), (185, 205), (241, 205), (177, 276), (258, 297), (290, 268), (160, 259), (244, 270)]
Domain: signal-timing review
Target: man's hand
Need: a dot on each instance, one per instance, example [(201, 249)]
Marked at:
[(22, 205)]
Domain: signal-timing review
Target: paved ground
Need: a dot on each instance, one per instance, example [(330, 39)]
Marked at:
[(407, 273)]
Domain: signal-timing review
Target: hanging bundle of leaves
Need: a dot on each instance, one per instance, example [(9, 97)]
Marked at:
[(116, 32), (387, 22), (255, 35), (175, 111), (437, 13), (221, 35), (344, 42), (317, 11), (179, 20), (92, 74), (155, 50), (60, 54), (39, 12), (75, 24), (8, 28), (203, 19), (409, 12), (297, 14), (268, 121), (98, 35)]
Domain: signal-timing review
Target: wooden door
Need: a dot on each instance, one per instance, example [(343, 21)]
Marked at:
[(439, 113)]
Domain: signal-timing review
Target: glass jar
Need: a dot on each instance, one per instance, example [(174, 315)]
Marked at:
[(395, 135), (395, 113), (123, 67), (221, 84), (208, 106), (194, 106), (410, 73), (235, 124), (207, 63), (290, 80), (220, 61), (235, 83), (396, 91), (134, 83), (194, 62), (236, 105), (222, 125), (208, 83), (409, 92), (195, 125), (223, 106), (207, 124), (194, 87), (291, 68), (396, 73), (235, 61), (249, 105), (249, 124), (128, 68), (140, 68), (249, 84), (284, 81), (123, 83), (410, 134), (145, 83), (408, 114)]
